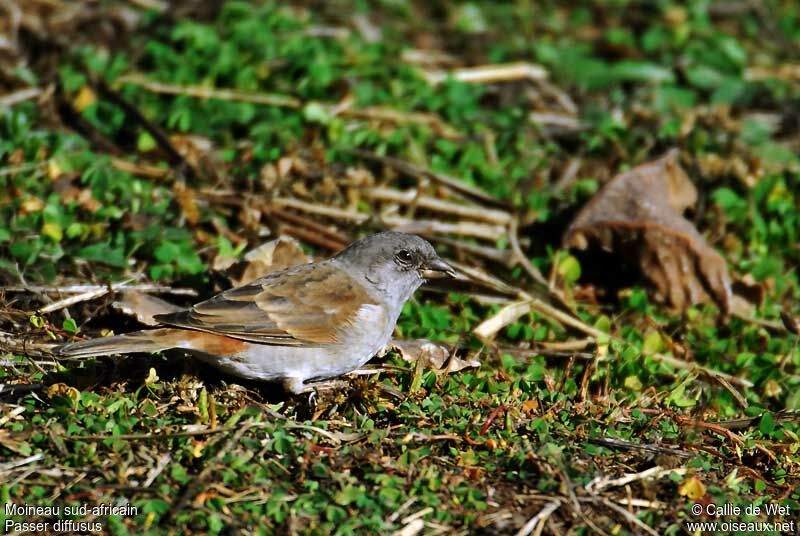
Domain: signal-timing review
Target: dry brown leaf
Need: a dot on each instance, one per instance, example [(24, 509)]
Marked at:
[(144, 307), (187, 200), (639, 213), (692, 488), (436, 356), (197, 150), (791, 323), (279, 254)]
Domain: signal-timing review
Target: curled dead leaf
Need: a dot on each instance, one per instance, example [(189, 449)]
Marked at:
[(639, 214), (436, 356)]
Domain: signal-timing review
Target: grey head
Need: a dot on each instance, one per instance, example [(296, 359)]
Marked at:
[(395, 264)]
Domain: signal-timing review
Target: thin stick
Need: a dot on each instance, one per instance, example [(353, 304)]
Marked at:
[(475, 275), (7, 466), (15, 97), (501, 256), (654, 449), (568, 320), (565, 346), (311, 224), (268, 99), (563, 121), (12, 170), (141, 170), (538, 521), (175, 157), (287, 101), (601, 483), (150, 437), (507, 315), (311, 237), (642, 503), (460, 228), (116, 287), (629, 516), (72, 300), (513, 238), (409, 197), (487, 74), (417, 172), (162, 463), (381, 113), (568, 175), (321, 210)]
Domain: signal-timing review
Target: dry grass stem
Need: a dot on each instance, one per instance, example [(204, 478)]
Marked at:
[(408, 197), (488, 74)]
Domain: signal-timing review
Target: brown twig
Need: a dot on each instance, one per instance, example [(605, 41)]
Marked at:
[(629, 445), (268, 99), (158, 134), (513, 238), (417, 172), (150, 437), (501, 256), (298, 219), (73, 119), (459, 228), (713, 427), (409, 197), (377, 113), (321, 210), (492, 416), (312, 237)]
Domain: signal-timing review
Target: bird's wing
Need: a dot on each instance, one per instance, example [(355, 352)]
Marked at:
[(307, 305)]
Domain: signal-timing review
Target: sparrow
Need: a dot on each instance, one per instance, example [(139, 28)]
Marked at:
[(306, 323)]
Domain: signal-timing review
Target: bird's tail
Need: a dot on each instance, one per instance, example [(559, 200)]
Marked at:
[(151, 340)]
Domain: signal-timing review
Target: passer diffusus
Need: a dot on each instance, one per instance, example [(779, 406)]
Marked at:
[(309, 322)]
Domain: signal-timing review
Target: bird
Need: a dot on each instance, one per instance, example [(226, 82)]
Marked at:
[(303, 324)]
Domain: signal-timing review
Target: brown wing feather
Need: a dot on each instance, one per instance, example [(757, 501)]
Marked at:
[(304, 306)]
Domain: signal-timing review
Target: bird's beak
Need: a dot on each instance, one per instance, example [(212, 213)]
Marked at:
[(436, 269)]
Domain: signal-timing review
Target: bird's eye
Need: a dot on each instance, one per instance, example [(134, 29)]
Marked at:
[(404, 257)]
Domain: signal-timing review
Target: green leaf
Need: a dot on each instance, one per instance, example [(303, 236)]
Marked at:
[(316, 112), (69, 326), (653, 343), (639, 71), (767, 423), (569, 269), (145, 142), (104, 253), (53, 230)]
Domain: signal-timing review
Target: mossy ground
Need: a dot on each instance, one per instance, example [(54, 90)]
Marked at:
[(90, 194)]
